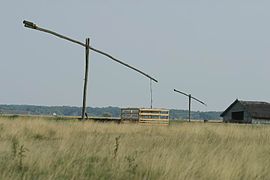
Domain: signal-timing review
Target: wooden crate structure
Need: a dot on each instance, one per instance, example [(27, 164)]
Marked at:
[(145, 116)]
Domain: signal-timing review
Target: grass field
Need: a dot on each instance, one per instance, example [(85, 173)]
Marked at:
[(37, 148)]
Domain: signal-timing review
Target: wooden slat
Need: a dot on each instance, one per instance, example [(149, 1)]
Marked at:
[(148, 116), (151, 123), (158, 120), (153, 114), (146, 119), (154, 110), (152, 119), (144, 124), (154, 124), (155, 121)]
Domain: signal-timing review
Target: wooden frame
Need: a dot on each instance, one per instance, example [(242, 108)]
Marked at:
[(145, 116)]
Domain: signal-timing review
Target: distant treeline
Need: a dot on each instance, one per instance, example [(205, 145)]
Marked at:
[(104, 111)]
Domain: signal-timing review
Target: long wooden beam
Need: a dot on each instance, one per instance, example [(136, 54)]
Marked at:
[(31, 25)]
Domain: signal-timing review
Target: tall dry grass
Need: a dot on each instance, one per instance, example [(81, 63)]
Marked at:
[(49, 149)]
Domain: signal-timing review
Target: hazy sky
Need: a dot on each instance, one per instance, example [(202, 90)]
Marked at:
[(216, 50)]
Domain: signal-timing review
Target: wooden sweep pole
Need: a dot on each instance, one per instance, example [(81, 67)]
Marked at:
[(87, 45)]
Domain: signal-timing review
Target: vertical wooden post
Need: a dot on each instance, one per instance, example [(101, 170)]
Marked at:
[(151, 94), (189, 106), (87, 44)]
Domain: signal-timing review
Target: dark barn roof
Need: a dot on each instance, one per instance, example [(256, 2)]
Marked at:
[(256, 109)]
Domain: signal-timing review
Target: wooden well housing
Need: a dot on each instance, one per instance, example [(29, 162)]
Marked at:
[(145, 116)]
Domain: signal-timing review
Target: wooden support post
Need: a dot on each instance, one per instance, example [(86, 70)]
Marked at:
[(151, 94), (87, 43), (189, 102), (189, 106)]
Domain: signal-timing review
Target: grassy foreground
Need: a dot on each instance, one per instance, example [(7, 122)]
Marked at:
[(50, 149)]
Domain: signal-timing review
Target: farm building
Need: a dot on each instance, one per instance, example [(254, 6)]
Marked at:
[(145, 116), (253, 112)]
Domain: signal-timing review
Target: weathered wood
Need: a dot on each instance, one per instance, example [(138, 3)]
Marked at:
[(153, 114), (87, 44), (149, 124), (189, 106), (34, 26), (146, 116), (156, 109), (151, 94), (189, 101), (153, 120)]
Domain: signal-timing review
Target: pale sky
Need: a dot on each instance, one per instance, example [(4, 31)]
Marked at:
[(216, 50)]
